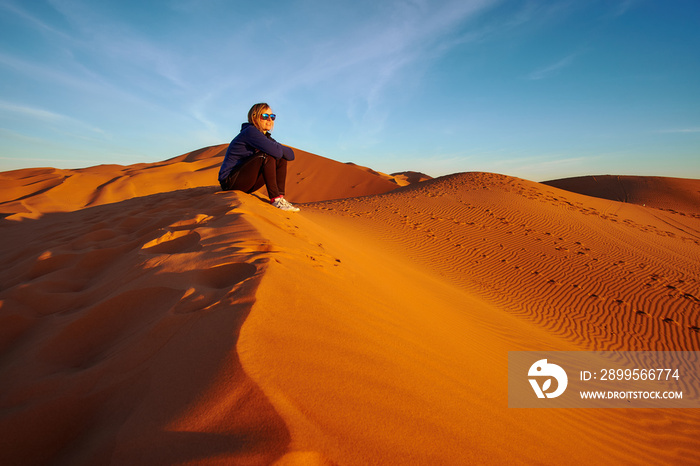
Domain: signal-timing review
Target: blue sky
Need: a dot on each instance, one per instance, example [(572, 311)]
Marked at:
[(535, 89)]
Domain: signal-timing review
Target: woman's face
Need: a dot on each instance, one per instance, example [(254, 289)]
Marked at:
[(266, 125)]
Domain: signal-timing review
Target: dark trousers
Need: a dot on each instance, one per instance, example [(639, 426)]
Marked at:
[(256, 171)]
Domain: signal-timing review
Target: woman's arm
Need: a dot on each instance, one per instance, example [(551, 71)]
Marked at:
[(266, 144)]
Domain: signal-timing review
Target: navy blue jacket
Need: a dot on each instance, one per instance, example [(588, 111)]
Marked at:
[(249, 141)]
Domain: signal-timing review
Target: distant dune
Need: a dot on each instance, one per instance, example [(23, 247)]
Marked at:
[(409, 177), (146, 317), (674, 194), (401, 178)]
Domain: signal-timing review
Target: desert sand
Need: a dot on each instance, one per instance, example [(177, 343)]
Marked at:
[(146, 317)]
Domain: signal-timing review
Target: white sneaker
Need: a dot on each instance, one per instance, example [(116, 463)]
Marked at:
[(283, 204)]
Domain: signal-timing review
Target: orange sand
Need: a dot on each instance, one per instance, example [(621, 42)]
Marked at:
[(675, 195), (148, 318)]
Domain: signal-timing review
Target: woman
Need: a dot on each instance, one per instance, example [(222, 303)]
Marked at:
[(254, 159)]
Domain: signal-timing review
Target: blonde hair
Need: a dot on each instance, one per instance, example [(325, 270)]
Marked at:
[(255, 112)]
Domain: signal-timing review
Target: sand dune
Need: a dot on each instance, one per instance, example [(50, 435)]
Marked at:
[(410, 177), (400, 178), (549, 254), (31, 192), (673, 194), (148, 318)]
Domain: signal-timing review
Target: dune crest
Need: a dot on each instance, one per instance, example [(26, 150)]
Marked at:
[(29, 193), (410, 177), (119, 326), (606, 274), (147, 319), (671, 194)]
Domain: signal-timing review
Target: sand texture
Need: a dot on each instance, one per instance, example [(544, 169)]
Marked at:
[(32, 192), (676, 195), (148, 318)]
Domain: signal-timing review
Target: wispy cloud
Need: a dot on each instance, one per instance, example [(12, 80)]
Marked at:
[(622, 7), (46, 116), (553, 69), (23, 161), (680, 130), (36, 113), (72, 55), (113, 42), (33, 20), (367, 59), (44, 72), (357, 63), (550, 166)]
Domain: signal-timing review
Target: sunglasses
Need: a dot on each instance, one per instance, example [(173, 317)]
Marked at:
[(268, 116)]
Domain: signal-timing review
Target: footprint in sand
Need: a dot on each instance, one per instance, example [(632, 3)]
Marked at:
[(213, 284), (94, 237), (192, 223), (226, 275), (89, 336), (174, 242), (49, 262)]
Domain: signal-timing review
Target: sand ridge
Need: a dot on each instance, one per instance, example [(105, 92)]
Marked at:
[(409, 360), (29, 193), (676, 195), (144, 320), (605, 274), (119, 326)]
